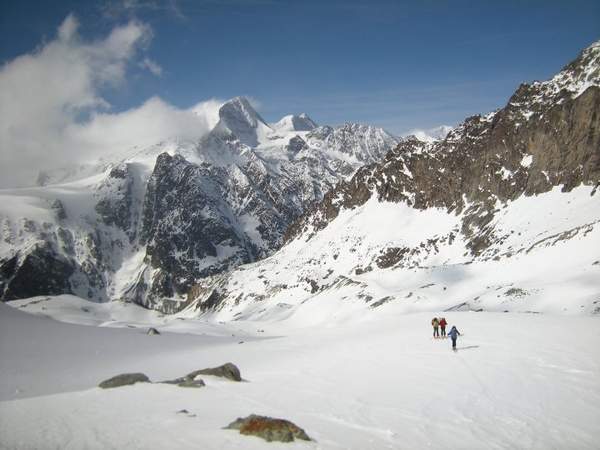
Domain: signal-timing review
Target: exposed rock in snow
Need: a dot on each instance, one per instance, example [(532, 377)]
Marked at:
[(186, 382), (124, 379), (39, 271), (268, 428), (227, 370)]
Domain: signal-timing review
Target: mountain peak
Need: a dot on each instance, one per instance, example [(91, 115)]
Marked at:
[(240, 109), (593, 49), (580, 74), (431, 134), (239, 118), (586, 67), (574, 79), (292, 122)]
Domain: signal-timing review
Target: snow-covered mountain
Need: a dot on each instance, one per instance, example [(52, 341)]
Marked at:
[(500, 214), (431, 134), (146, 225), (503, 214), (294, 122)]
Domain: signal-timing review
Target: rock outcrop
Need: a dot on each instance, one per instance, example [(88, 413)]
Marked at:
[(268, 428), (227, 370), (124, 379), (41, 271), (115, 199), (188, 382)]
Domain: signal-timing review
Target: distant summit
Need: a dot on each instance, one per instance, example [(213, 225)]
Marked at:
[(295, 123), (239, 118), (430, 135)]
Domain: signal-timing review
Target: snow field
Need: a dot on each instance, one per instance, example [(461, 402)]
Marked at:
[(367, 381)]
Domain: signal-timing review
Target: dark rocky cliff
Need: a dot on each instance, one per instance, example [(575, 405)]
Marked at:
[(547, 135)]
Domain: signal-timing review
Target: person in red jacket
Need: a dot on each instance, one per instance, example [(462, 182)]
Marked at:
[(443, 324)]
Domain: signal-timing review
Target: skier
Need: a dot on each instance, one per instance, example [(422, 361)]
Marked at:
[(443, 324), (435, 323), (454, 333)]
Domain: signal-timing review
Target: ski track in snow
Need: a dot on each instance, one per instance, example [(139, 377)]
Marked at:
[(373, 381)]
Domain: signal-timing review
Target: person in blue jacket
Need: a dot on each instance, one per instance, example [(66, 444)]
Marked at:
[(453, 333)]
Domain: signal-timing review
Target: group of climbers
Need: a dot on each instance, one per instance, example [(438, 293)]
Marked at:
[(441, 323)]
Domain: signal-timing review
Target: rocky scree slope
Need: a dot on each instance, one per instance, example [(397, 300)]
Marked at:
[(145, 225), (502, 192)]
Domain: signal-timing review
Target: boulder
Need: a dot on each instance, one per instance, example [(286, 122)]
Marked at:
[(186, 381), (268, 428), (228, 370), (189, 382), (152, 331), (124, 379)]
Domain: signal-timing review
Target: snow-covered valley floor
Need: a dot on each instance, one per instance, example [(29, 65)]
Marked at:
[(372, 381)]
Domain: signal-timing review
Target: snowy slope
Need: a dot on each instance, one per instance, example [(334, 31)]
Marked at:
[(388, 385), (72, 357), (548, 261)]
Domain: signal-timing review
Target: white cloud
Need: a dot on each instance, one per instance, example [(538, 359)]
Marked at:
[(152, 66), (208, 110), (254, 102), (152, 122), (68, 28), (53, 112)]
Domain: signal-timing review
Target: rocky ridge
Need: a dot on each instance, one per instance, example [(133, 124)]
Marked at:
[(547, 135)]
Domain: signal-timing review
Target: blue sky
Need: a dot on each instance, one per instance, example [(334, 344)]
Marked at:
[(400, 65)]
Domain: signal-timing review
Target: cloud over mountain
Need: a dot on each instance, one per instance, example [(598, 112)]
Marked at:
[(54, 111)]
